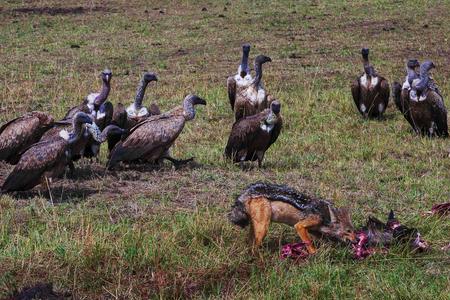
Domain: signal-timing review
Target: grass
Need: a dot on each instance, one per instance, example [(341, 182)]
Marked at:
[(163, 234)]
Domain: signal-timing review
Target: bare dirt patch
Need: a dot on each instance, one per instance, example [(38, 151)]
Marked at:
[(53, 11)]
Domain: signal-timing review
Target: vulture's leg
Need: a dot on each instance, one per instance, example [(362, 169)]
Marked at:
[(260, 155), (243, 155), (47, 183), (242, 164)]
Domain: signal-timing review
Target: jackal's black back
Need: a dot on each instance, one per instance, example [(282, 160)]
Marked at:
[(283, 193)]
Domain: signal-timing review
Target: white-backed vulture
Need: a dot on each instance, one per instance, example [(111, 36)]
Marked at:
[(427, 109), (242, 79), (91, 104), (136, 111), (401, 92), (370, 91), (252, 99), (251, 136), (151, 139), (46, 159), (103, 118)]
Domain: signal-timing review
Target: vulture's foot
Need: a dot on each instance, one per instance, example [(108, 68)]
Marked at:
[(178, 163)]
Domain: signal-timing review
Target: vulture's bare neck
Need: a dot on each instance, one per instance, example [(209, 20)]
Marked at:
[(189, 110), (106, 88), (140, 93)]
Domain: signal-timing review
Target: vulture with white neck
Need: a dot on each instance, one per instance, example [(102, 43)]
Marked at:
[(370, 91), (253, 98), (102, 119), (251, 136), (98, 108), (151, 139), (401, 92), (136, 112), (45, 160), (92, 103), (242, 79), (426, 104), (128, 117), (20, 133)]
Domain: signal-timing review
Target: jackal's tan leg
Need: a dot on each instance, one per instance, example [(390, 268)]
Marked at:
[(260, 212), (302, 230)]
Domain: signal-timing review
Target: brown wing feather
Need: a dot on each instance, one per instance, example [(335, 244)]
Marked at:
[(34, 163), (152, 133), (384, 92), (231, 87), (56, 129), (356, 93), (439, 112), (81, 107), (396, 94), (401, 100), (119, 116), (154, 109), (243, 133), (276, 131), (20, 133)]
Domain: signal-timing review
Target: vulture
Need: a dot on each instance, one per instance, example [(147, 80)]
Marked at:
[(151, 139), (78, 147), (102, 119), (136, 112), (252, 99), (91, 104), (251, 136), (370, 91), (101, 112), (401, 92), (120, 119), (128, 117), (20, 133), (242, 79), (427, 110), (46, 159)]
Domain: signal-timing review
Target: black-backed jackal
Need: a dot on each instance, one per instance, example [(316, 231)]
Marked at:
[(261, 203)]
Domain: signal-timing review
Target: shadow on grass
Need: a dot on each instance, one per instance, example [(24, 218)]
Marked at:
[(60, 194), (144, 167)]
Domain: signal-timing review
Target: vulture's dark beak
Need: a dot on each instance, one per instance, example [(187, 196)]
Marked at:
[(276, 107), (365, 53)]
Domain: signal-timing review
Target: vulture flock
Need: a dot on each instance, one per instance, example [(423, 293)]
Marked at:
[(42, 148)]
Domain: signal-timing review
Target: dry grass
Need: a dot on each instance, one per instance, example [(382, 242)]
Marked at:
[(146, 233)]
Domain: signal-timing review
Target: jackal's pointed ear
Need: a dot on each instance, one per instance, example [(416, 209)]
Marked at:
[(333, 218), (391, 216)]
